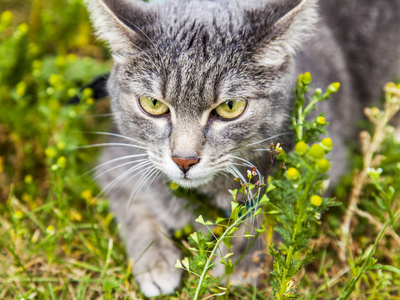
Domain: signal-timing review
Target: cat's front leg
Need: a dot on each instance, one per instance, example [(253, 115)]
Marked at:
[(154, 254)]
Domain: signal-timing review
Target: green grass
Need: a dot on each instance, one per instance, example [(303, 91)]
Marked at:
[(58, 239)]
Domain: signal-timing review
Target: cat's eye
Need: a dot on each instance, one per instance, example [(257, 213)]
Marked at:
[(230, 109), (153, 106)]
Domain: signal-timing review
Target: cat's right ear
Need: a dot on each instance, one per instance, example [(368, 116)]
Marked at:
[(118, 22), (279, 27)]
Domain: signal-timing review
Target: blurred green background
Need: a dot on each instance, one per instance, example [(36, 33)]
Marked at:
[(56, 232)]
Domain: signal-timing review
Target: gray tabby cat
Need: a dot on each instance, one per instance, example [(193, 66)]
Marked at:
[(197, 86)]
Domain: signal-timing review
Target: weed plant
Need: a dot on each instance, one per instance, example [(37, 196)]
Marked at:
[(58, 239)]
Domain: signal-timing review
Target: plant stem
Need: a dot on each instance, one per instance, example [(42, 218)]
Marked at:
[(297, 228), (215, 249), (372, 252)]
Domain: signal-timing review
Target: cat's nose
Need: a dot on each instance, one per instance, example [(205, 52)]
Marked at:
[(185, 163)]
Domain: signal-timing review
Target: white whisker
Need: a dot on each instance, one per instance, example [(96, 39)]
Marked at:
[(114, 134), (110, 185), (270, 138), (119, 166), (112, 161), (147, 172), (156, 175), (111, 144)]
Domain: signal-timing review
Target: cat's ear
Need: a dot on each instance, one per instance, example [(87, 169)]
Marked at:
[(286, 25), (118, 22)]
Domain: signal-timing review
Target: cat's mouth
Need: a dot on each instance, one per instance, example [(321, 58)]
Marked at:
[(190, 182)]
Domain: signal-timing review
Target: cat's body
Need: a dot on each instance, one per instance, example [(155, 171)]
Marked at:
[(195, 55)]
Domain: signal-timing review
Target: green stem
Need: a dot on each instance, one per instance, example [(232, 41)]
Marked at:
[(310, 105), (215, 249), (296, 231), (299, 127)]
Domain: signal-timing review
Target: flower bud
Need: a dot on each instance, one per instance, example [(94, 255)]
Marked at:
[(318, 92), (300, 80), (23, 28), (333, 88), (6, 17), (323, 165), (301, 148), (327, 144), (321, 120), (21, 88), (316, 200), (390, 85), (316, 152), (293, 173), (62, 162), (173, 186), (306, 78)]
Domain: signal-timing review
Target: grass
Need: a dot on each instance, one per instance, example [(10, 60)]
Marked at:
[(58, 239)]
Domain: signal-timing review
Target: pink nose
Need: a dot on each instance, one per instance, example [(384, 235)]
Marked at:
[(185, 163)]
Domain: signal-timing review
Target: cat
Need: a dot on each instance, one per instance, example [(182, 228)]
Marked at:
[(198, 85)]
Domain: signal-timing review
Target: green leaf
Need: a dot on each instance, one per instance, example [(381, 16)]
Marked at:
[(386, 268), (185, 263), (258, 212), (234, 206), (232, 230), (228, 255), (220, 220), (200, 220), (264, 199), (194, 237), (248, 236), (271, 187), (178, 264)]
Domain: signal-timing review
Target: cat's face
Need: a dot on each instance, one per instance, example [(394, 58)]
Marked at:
[(199, 89)]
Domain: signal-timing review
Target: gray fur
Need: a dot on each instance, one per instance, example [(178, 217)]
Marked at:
[(193, 55)]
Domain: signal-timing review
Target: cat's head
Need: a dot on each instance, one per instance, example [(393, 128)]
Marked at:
[(200, 82)]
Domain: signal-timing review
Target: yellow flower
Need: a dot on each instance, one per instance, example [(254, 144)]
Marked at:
[(316, 200), (28, 179), (306, 78), (173, 186), (19, 214), (50, 229), (301, 148), (6, 17), (333, 88), (316, 152), (321, 120), (62, 162), (323, 165), (293, 173), (50, 152), (21, 88), (327, 144)]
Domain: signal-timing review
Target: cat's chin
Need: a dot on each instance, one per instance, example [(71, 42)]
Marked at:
[(192, 183)]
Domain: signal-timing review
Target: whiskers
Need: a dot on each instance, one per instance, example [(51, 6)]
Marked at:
[(135, 169), (268, 139)]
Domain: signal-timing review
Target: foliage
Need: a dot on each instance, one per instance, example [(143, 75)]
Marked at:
[(57, 236)]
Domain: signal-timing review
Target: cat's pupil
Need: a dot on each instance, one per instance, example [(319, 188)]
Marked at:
[(154, 101), (230, 104)]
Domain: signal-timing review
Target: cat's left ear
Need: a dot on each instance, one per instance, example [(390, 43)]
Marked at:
[(119, 22), (279, 28)]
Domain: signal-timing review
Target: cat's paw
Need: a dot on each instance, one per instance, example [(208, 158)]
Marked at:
[(160, 280)]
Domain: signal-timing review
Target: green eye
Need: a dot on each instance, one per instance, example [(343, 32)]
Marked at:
[(153, 106), (231, 109)]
